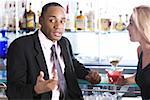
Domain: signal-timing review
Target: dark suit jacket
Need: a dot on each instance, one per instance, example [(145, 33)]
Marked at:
[(25, 59)]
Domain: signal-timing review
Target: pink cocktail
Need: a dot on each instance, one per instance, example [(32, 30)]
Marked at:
[(113, 75)]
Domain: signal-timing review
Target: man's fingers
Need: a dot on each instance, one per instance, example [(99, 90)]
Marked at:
[(52, 84), (93, 77), (41, 76), (55, 77), (54, 74)]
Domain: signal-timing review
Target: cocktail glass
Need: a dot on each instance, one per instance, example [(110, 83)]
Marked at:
[(115, 72), (113, 77), (114, 60)]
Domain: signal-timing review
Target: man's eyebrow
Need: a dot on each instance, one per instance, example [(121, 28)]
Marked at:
[(64, 18), (52, 16), (56, 17)]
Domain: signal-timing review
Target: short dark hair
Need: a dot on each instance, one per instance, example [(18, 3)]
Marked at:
[(45, 7)]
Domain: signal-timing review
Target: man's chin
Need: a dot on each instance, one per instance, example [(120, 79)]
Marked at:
[(57, 38)]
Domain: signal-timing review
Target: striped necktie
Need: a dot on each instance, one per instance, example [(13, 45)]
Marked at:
[(61, 78)]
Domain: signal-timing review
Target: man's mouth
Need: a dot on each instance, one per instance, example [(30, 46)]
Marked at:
[(58, 34)]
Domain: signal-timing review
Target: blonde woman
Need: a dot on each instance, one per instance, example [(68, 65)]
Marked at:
[(139, 31)]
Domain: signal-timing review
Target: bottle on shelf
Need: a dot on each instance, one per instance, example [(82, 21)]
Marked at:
[(23, 19), (76, 14), (81, 22), (37, 20), (120, 26), (3, 44), (3, 48), (69, 20), (11, 18), (105, 24), (30, 15), (113, 25), (126, 21), (4, 21), (91, 19), (14, 16)]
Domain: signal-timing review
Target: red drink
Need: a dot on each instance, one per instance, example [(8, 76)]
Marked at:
[(113, 76)]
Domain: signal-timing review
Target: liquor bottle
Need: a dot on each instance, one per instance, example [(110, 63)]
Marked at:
[(14, 16), (91, 19), (76, 14), (126, 21), (81, 22), (3, 48), (120, 26), (3, 44), (10, 18), (23, 22), (69, 20), (23, 18), (91, 22), (105, 24), (37, 22), (31, 24)]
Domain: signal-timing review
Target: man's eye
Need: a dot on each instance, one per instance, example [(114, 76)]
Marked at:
[(63, 21), (52, 20)]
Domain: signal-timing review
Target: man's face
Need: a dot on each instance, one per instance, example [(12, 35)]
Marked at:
[(53, 23)]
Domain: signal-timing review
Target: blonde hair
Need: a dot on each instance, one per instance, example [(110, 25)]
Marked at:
[(141, 17)]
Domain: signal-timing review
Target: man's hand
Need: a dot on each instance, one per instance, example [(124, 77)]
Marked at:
[(43, 85), (93, 77)]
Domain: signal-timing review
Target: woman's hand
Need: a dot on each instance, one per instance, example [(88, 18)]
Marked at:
[(121, 81)]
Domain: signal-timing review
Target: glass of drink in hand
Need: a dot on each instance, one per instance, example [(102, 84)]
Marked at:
[(113, 78), (114, 74)]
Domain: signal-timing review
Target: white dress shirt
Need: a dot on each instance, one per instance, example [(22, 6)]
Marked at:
[(46, 45)]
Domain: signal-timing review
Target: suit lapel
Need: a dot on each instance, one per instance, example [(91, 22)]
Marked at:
[(64, 51), (66, 55), (40, 56)]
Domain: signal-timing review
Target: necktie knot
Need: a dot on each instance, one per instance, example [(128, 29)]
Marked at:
[(53, 49), (53, 52)]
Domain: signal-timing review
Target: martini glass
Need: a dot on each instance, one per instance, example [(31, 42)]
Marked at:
[(114, 60), (113, 77), (114, 73)]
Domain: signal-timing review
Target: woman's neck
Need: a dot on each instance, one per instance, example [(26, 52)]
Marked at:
[(145, 47), (146, 54)]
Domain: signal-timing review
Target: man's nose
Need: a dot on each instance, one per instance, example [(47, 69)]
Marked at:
[(58, 24)]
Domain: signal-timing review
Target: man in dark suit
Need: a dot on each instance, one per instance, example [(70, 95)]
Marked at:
[(29, 67)]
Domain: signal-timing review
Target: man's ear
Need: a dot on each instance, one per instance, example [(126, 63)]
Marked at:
[(40, 20)]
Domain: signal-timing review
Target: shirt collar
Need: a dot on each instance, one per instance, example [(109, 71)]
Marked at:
[(45, 42)]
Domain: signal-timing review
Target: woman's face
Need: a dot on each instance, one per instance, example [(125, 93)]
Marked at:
[(133, 31)]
